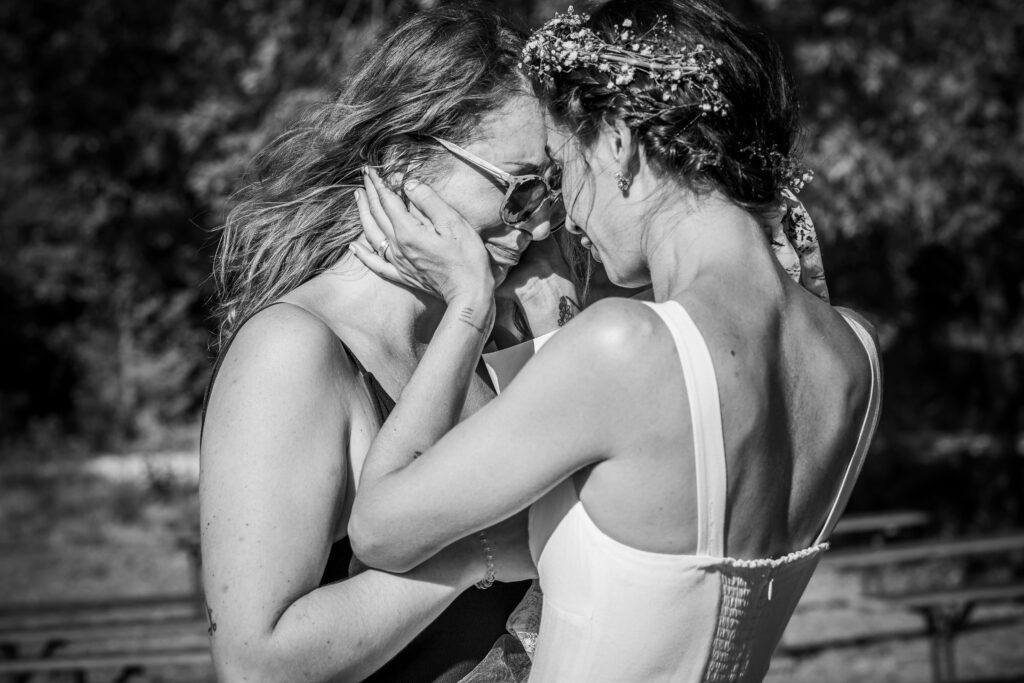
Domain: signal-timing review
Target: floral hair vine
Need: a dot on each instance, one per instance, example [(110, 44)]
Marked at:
[(790, 172), (566, 43)]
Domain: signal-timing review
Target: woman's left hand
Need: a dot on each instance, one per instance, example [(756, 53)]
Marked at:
[(795, 243), (529, 300), (428, 246)]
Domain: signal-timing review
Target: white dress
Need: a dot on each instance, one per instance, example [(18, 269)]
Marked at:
[(612, 612)]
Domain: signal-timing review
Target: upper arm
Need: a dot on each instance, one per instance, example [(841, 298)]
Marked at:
[(273, 468), (568, 408)]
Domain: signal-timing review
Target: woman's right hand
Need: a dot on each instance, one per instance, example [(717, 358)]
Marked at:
[(428, 246)]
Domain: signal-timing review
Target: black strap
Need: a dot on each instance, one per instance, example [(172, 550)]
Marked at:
[(382, 401)]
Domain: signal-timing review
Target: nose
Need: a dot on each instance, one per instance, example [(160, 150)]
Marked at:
[(543, 223)]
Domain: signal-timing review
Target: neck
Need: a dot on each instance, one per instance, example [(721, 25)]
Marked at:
[(358, 304), (695, 237)]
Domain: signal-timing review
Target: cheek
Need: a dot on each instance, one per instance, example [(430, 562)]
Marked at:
[(477, 202), (578, 195)]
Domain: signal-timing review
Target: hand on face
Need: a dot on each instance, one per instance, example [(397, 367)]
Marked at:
[(532, 294), (427, 246)]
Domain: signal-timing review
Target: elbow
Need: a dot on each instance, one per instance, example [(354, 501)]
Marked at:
[(259, 660), (247, 661), (378, 543)]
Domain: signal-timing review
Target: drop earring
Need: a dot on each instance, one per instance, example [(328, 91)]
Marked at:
[(623, 180)]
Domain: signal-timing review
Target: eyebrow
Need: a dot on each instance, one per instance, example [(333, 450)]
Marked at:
[(525, 167)]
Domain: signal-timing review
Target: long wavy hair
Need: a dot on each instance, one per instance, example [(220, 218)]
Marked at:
[(437, 73)]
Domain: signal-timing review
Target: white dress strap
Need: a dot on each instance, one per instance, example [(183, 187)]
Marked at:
[(706, 417), (867, 430)]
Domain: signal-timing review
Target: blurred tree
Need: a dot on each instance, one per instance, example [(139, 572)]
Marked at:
[(126, 124), (916, 129)]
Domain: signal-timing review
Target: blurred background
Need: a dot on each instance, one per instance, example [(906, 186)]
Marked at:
[(125, 126)]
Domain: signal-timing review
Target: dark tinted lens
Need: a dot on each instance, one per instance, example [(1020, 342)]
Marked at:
[(524, 200), (554, 177)]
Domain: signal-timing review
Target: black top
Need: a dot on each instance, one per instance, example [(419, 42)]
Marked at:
[(450, 646)]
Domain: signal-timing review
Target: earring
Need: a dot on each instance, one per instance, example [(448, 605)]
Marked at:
[(623, 180)]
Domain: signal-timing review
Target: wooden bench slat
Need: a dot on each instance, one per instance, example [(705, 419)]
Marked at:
[(13, 618), (137, 629), (924, 551), (66, 607), (881, 522), (107, 661), (966, 594)]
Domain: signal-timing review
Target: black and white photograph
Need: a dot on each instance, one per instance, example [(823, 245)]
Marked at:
[(468, 341)]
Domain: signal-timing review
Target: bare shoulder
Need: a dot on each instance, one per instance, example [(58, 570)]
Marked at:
[(284, 344), (613, 354), (284, 366), (616, 331)]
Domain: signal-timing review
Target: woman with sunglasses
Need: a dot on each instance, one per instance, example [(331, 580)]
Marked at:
[(314, 347), (683, 461)]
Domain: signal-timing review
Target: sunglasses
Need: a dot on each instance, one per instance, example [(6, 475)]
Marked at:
[(524, 194)]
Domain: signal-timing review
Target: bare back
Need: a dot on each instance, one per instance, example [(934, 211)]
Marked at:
[(793, 381)]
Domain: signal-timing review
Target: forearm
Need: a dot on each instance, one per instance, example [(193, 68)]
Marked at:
[(433, 400), (346, 630)]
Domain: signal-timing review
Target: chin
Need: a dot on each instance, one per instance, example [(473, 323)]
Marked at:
[(627, 280)]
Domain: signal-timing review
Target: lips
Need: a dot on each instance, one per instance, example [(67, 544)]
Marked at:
[(502, 255)]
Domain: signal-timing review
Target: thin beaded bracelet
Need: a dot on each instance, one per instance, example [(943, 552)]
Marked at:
[(489, 576)]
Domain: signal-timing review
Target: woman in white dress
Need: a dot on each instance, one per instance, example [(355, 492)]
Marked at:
[(685, 460)]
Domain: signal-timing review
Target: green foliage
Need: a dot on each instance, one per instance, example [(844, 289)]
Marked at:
[(126, 126)]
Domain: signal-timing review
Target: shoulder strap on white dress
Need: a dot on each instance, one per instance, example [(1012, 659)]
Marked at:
[(706, 417), (867, 430)]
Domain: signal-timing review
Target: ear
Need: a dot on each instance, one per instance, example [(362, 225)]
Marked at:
[(622, 146)]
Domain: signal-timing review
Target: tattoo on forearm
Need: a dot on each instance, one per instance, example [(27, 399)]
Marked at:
[(209, 617), (416, 454), (466, 316)]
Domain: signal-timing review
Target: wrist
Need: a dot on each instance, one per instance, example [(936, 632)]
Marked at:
[(474, 308), (479, 292), (470, 562)]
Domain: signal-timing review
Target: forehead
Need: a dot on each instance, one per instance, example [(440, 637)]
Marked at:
[(513, 134), (558, 139)]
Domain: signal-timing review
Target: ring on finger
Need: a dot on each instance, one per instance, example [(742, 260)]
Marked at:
[(382, 248)]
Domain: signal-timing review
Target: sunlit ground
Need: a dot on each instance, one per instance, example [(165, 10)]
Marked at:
[(110, 526)]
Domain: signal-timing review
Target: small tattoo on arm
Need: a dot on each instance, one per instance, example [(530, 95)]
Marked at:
[(416, 454), (466, 316), (566, 312), (209, 617)]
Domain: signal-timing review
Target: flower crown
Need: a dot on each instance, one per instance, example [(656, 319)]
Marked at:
[(566, 43)]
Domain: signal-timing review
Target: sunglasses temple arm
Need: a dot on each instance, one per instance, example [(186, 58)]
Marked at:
[(475, 160)]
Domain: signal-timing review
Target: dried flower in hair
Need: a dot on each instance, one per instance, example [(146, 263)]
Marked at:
[(566, 43), (789, 172)]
